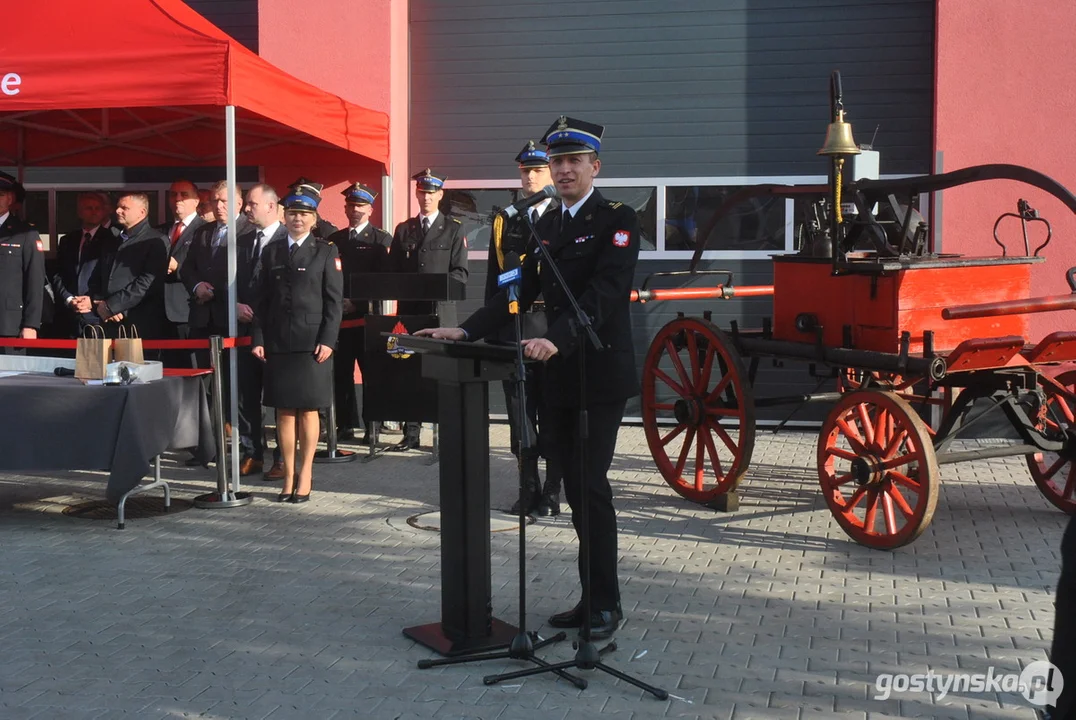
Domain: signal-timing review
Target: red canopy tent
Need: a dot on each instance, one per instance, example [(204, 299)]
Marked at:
[(153, 83), (142, 82)]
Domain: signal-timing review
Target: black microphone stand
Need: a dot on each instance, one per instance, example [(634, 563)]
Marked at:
[(587, 656), (524, 643)]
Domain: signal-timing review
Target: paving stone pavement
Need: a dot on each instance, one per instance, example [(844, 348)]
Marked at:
[(281, 611)]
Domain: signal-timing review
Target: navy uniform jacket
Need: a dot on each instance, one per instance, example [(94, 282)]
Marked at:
[(443, 250), (22, 277), (299, 303), (369, 253), (176, 307), (507, 236), (596, 253), (129, 277)]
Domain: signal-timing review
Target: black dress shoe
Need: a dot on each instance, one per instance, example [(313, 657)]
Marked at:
[(548, 506), (345, 435), (603, 623), (284, 497), (405, 445), (531, 506), (569, 618), (296, 498)]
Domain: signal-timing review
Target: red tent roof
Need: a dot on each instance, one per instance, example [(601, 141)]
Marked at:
[(164, 71)]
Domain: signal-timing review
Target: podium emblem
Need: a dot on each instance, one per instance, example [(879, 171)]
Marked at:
[(393, 344)]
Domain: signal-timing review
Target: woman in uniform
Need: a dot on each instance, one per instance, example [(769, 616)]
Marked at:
[(296, 322)]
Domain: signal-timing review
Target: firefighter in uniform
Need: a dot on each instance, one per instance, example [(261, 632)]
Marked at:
[(514, 235), (295, 326), (426, 243), (22, 267), (322, 228), (364, 248), (595, 243)]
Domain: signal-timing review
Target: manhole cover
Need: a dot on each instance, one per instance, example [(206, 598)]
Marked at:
[(499, 522), (136, 508)]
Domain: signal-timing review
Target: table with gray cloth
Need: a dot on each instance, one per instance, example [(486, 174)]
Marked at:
[(57, 423)]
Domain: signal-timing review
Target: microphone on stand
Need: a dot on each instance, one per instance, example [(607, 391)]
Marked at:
[(512, 277), (517, 207)]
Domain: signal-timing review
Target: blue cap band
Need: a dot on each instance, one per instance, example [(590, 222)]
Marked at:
[(302, 200), (574, 136), (360, 196)]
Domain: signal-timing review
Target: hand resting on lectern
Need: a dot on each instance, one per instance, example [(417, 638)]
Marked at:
[(534, 349)]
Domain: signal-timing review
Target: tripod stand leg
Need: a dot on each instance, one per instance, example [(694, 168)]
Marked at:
[(543, 667), (655, 691)]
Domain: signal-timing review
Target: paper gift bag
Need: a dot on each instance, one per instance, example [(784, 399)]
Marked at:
[(93, 352), (128, 348)]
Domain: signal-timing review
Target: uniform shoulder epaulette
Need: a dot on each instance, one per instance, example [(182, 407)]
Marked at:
[(455, 221), (615, 204)]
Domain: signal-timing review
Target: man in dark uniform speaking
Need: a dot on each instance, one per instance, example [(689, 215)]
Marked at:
[(427, 243), (364, 248), (596, 245), (514, 235), (22, 267)]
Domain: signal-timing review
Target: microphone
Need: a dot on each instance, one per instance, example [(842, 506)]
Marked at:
[(63, 372), (512, 276), (517, 207)]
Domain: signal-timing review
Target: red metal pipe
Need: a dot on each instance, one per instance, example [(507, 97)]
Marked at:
[(721, 292), (1026, 306)]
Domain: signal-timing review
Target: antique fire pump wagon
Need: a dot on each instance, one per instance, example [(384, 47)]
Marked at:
[(915, 340)]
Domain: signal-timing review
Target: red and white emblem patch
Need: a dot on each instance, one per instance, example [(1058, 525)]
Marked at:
[(40, 247), (339, 265), (621, 238)]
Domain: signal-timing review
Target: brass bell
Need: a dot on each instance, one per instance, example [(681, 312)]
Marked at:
[(839, 138)]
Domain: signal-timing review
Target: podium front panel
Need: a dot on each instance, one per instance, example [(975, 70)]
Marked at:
[(393, 388)]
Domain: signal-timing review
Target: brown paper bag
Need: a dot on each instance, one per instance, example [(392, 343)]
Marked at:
[(93, 352), (128, 349)]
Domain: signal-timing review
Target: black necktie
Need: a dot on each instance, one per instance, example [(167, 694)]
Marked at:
[(425, 226), (534, 216), (292, 249), (258, 245), (354, 235), (86, 237)]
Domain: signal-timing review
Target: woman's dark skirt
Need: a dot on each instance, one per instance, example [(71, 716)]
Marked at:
[(296, 381)]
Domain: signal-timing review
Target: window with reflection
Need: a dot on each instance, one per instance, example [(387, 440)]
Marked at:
[(756, 224), (36, 212)]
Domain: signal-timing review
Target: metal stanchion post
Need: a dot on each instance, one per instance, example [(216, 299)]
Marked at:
[(223, 497), (332, 454)]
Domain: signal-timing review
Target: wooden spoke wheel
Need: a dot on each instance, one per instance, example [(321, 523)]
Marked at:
[(695, 378), (1055, 472), (910, 388), (877, 468)]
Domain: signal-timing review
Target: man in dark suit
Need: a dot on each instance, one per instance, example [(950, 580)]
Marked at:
[(596, 246), (426, 243), (22, 266), (262, 212), (183, 199), (364, 248), (77, 255), (126, 286), (514, 235), (205, 277)]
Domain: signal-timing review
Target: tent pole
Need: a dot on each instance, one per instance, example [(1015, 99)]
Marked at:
[(233, 353), (230, 497)]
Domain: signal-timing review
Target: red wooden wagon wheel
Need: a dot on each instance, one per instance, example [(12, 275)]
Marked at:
[(908, 387), (877, 468), (1055, 472), (695, 377)]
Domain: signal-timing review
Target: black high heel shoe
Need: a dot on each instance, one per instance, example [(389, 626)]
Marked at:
[(289, 496), (296, 497)]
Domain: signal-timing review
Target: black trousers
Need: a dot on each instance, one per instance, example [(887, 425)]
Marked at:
[(179, 358), (348, 351), (251, 437), (1063, 650), (566, 445)]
